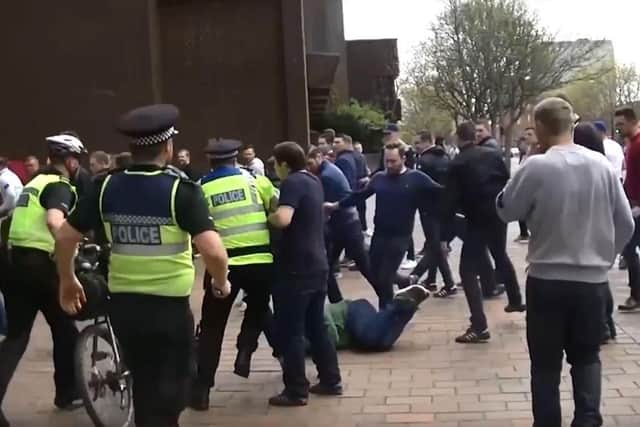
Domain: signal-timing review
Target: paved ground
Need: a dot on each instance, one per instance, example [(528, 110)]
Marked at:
[(427, 380)]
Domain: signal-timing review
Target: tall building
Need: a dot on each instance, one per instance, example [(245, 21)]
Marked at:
[(236, 69)]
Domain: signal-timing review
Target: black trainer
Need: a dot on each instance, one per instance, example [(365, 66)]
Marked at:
[(199, 398), (67, 402), (242, 365), (631, 304), (3, 421), (286, 401), (325, 390), (446, 291), (499, 290), (414, 294), (515, 308), (472, 337)]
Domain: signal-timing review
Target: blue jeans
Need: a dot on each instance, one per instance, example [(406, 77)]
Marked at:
[(299, 312), (373, 330)]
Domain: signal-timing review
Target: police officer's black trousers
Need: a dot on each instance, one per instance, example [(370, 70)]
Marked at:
[(156, 337), (31, 285), (256, 280)]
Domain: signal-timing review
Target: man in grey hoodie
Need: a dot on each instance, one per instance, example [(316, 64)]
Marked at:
[(579, 219)]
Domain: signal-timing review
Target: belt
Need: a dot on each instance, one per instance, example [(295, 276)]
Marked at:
[(248, 250)]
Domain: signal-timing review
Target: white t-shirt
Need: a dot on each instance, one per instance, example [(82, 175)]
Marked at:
[(10, 189), (256, 166), (615, 155)]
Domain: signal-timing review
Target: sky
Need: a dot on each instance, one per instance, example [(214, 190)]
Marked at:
[(409, 22)]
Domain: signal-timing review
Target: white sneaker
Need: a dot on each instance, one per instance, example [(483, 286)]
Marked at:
[(408, 264), (368, 233)]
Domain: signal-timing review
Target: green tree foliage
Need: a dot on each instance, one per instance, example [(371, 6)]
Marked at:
[(362, 122), (421, 112), (491, 59)]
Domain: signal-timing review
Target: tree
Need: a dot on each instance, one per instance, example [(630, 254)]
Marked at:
[(627, 85), (491, 59), (419, 112)]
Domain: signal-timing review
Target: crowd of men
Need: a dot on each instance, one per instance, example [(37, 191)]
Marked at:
[(278, 231)]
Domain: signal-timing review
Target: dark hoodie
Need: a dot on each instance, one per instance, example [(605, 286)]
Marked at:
[(489, 142), (434, 162)]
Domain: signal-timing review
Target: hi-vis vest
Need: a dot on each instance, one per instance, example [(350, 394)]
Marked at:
[(29, 223), (240, 217), (150, 253)]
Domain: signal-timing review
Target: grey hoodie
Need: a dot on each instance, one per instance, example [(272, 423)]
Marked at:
[(577, 212)]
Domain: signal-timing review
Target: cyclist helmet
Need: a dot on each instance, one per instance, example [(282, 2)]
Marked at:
[(65, 145)]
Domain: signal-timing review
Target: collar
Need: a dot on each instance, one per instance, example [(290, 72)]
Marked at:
[(221, 172)]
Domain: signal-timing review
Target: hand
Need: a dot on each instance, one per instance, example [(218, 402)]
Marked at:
[(221, 291), (444, 247), (635, 211), (330, 207), (72, 296)]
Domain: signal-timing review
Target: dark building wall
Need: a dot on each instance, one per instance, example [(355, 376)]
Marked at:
[(71, 65), (373, 70), (218, 64), (235, 68), (324, 33)]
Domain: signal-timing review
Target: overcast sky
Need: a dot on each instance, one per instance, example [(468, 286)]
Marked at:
[(409, 21)]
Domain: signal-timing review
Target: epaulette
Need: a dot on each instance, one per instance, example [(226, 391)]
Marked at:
[(174, 171)]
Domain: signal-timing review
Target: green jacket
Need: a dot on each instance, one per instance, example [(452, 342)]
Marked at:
[(335, 316)]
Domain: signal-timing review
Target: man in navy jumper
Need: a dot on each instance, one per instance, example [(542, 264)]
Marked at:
[(399, 193), (343, 228)]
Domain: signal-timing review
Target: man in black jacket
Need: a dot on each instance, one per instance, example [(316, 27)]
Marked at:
[(475, 178), (433, 161)]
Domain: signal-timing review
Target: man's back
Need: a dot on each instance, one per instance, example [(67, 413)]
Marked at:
[(346, 162), (576, 210)]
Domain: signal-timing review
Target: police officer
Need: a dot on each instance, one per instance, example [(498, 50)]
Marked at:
[(239, 202), (150, 213), (31, 284)]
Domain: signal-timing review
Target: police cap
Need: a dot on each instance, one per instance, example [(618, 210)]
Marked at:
[(222, 149), (149, 125)]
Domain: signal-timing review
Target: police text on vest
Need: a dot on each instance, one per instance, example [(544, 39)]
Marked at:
[(136, 234)]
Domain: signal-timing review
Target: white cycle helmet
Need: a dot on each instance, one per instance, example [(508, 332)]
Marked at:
[(65, 145)]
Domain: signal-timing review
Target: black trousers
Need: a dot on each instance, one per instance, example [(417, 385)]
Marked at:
[(490, 234), (347, 237), (386, 253), (633, 262), (562, 318), (156, 336), (31, 285), (362, 215), (524, 231), (299, 312), (256, 281), (434, 259)]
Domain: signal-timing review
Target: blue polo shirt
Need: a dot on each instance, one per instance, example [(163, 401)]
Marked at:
[(336, 187)]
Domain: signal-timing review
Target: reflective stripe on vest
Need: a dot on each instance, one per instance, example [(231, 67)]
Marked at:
[(240, 218), (150, 254), (28, 227)]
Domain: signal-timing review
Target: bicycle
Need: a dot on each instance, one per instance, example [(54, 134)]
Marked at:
[(102, 378)]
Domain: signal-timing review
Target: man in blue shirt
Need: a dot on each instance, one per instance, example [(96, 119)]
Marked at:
[(343, 228), (399, 193)]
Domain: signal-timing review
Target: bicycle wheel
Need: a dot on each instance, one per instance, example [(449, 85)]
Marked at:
[(105, 388)]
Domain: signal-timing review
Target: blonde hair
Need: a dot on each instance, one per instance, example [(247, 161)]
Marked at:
[(555, 115)]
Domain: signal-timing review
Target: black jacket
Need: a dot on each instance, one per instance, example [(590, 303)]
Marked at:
[(435, 163), (476, 177), (489, 142)]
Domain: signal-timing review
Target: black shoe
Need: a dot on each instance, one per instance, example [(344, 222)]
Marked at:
[(324, 390), (199, 399), (286, 401), (472, 337), (622, 264), (515, 308), (415, 294), (431, 287), (3, 421), (67, 402), (446, 291), (499, 290), (630, 305), (242, 366)]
